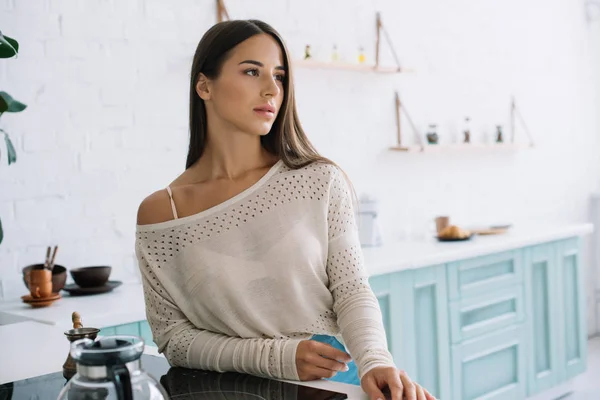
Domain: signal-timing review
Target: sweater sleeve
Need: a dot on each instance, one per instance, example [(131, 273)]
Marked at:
[(357, 309), (184, 345)]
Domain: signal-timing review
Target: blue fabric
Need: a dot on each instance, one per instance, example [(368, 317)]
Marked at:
[(350, 376)]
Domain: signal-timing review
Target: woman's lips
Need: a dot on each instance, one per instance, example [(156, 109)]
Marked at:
[(264, 113)]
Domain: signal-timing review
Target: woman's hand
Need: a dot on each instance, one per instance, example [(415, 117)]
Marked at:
[(399, 384), (316, 360)]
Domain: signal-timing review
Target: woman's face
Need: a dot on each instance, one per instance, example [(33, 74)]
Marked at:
[(247, 94)]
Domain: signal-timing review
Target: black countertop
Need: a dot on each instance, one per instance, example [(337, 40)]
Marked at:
[(181, 384)]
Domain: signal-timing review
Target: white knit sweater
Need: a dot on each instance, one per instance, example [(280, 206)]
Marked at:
[(238, 286)]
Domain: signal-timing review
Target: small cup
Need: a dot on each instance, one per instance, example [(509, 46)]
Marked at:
[(441, 223), (40, 283)]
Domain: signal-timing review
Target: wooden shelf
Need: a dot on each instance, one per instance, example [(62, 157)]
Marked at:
[(345, 66), (462, 147)]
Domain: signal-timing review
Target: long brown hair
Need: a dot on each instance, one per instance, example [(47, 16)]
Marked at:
[(286, 139)]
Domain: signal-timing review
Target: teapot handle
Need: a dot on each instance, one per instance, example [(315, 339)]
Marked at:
[(119, 375)]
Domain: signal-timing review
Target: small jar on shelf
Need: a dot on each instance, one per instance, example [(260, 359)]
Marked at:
[(432, 135), (335, 55), (467, 131), (362, 58)]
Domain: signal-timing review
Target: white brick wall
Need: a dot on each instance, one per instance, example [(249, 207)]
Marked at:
[(106, 84)]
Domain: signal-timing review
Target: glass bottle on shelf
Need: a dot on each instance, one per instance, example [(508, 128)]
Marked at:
[(335, 56), (307, 52), (361, 55), (432, 136), (467, 131), (499, 136)]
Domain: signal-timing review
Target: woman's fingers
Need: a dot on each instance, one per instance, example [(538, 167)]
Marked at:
[(420, 392), (409, 387), (322, 362), (428, 395), (369, 386), (331, 352)]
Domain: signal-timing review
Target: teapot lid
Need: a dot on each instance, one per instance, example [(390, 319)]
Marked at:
[(107, 350)]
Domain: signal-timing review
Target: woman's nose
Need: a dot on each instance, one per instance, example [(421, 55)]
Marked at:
[(271, 88)]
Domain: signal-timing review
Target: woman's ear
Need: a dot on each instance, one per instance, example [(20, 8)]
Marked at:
[(203, 87)]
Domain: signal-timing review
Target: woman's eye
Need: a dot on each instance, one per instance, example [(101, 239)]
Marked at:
[(254, 72)]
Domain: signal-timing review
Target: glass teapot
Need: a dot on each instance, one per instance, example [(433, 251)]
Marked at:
[(110, 368)]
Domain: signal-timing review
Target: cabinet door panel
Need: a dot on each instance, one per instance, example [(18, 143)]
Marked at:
[(491, 366), (542, 302), (425, 328), (573, 340), (381, 288)]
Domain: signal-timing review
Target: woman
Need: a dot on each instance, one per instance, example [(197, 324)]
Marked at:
[(250, 259)]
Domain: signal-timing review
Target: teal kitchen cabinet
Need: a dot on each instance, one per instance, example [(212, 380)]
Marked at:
[(108, 331), (381, 288), (140, 328), (572, 330), (555, 310), (541, 279), (426, 340), (146, 333), (488, 335), (128, 329), (415, 315), (505, 325)]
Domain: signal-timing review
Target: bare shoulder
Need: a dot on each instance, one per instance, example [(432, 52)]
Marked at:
[(155, 208)]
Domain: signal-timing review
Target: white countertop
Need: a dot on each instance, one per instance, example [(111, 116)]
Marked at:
[(30, 349), (416, 254), (123, 305)]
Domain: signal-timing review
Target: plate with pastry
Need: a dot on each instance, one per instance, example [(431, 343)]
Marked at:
[(453, 233)]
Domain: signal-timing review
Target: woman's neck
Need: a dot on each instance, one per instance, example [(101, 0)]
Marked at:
[(231, 156)]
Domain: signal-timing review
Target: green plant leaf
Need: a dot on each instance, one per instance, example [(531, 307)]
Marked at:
[(1, 232), (11, 153), (8, 104), (9, 47)]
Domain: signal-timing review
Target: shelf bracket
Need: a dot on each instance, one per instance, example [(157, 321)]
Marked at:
[(222, 13), (380, 29), (514, 114), (399, 109)]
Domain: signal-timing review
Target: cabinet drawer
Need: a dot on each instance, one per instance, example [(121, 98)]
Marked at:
[(491, 366), (481, 275), (475, 316)]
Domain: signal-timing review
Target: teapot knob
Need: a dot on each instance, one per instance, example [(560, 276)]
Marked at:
[(76, 318)]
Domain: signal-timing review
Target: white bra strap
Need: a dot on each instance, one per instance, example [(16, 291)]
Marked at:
[(172, 202)]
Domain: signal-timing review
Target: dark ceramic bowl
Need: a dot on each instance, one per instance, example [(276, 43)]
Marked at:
[(87, 277), (59, 276)]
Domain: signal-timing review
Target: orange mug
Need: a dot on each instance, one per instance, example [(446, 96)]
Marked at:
[(40, 282)]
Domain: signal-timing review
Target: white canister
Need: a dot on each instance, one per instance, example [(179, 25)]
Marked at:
[(368, 226)]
